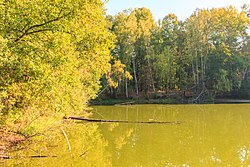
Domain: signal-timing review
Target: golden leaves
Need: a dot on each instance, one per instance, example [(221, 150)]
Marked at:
[(117, 74)]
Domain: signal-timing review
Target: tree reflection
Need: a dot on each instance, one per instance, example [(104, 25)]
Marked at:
[(209, 135), (88, 148)]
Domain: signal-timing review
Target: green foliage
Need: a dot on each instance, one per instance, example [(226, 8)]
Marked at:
[(208, 52), (165, 46), (52, 55), (215, 39), (133, 31)]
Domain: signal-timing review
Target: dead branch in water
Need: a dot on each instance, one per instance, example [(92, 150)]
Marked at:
[(126, 103), (32, 156), (122, 121), (66, 139), (197, 99)]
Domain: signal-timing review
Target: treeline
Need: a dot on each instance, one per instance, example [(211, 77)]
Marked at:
[(208, 54), (52, 56)]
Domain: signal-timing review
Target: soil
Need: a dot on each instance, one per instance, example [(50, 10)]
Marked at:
[(8, 140)]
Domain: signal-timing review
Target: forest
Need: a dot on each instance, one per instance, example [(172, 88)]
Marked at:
[(57, 55), (204, 57)]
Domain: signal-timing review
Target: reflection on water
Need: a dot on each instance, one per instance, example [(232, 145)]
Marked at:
[(86, 143), (209, 135)]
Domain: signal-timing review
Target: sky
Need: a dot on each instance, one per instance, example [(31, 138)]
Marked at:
[(160, 8)]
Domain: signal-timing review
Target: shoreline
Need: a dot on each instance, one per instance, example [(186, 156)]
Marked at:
[(165, 101), (231, 101)]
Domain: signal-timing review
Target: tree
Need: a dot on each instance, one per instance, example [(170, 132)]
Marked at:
[(116, 75), (214, 43), (133, 29), (53, 54), (165, 41), (124, 49)]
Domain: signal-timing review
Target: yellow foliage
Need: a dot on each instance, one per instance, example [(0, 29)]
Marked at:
[(128, 75), (117, 73), (55, 62)]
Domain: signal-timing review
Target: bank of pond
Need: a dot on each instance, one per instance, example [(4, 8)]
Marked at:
[(183, 101)]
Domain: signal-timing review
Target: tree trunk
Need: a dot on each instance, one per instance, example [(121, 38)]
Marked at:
[(202, 70), (194, 77), (126, 87), (136, 83), (151, 75), (197, 69)]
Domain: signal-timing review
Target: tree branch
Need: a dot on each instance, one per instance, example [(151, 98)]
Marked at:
[(27, 31), (36, 31)]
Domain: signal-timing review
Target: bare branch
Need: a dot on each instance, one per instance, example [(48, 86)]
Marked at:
[(36, 31), (27, 31)]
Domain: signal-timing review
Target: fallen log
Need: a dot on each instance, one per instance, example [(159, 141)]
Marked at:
[(32, 156), (122, 121), (41, 156), (125, 103), (4, 157)]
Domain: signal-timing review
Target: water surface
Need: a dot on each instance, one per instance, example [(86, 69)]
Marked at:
[(208, 135)]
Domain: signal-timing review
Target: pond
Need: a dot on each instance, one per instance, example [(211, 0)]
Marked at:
[(200, 135)]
